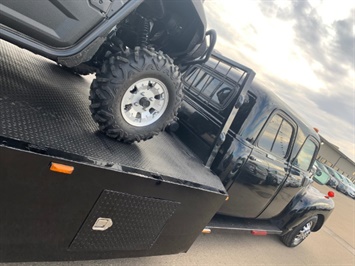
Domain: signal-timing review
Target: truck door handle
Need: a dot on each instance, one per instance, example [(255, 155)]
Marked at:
[(270, 157)]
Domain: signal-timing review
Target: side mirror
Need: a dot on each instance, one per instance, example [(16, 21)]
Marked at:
[(318, 172)]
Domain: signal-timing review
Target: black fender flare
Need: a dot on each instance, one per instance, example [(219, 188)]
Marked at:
[(309, 202)]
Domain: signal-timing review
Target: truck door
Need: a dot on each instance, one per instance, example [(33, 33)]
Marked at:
[(265, 170), (299, 176)]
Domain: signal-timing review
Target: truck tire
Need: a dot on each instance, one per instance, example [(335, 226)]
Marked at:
[(299, 233), (136, 94)]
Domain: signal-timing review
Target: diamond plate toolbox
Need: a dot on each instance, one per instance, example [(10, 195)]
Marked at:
[(136, 223)]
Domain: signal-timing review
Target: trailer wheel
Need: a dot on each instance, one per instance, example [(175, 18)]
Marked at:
[(299, 233), (136, 94)]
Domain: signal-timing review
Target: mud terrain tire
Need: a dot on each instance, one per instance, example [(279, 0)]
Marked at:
[(136, 94)]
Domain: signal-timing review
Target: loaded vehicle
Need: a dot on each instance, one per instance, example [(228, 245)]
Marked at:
[(332, 182), (336, 178), (347, 187), (237, 158), (136, 48), (322, 176)]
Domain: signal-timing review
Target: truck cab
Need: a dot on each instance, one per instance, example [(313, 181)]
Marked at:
[(260, 149)]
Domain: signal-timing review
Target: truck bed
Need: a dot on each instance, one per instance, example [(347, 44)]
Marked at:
[(157, 193), (44, 105)]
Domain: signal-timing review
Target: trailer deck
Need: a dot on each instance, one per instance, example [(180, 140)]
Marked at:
[(155, 192), (44, 105)]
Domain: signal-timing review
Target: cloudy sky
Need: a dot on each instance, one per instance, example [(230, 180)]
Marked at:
[(303, 50)]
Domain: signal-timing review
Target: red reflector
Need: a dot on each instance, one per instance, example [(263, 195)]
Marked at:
[(258, 233), (331, 194)]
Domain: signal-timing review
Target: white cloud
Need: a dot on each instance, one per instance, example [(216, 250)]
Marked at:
[(304, 49)]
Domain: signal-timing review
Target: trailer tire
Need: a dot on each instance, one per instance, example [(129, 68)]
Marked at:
[(136, 94), (299, 233)]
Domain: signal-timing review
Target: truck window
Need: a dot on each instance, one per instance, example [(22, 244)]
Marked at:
[(226, 70), (277, 136), (305, 155), (222, 94), (210, 86), (214, 89), (195, 77)]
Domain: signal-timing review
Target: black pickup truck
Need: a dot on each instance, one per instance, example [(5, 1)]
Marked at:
[(260, 149), (237, 159)]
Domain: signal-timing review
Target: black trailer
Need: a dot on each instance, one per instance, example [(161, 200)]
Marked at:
[(70, 193)]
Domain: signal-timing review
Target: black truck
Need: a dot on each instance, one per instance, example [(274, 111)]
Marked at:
[(137, 48), (237, 158), (262, 152)]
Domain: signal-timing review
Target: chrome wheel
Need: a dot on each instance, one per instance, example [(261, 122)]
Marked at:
[(144, 102), (303, 233), (296, 236)]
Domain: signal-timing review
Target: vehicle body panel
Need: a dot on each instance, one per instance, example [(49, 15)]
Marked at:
[(309, 202), (56, 23), (265, 184), (71, 32), (98, 35)]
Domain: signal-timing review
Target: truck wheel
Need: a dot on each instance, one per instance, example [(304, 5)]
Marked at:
[(136, 95), (299, 233)]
